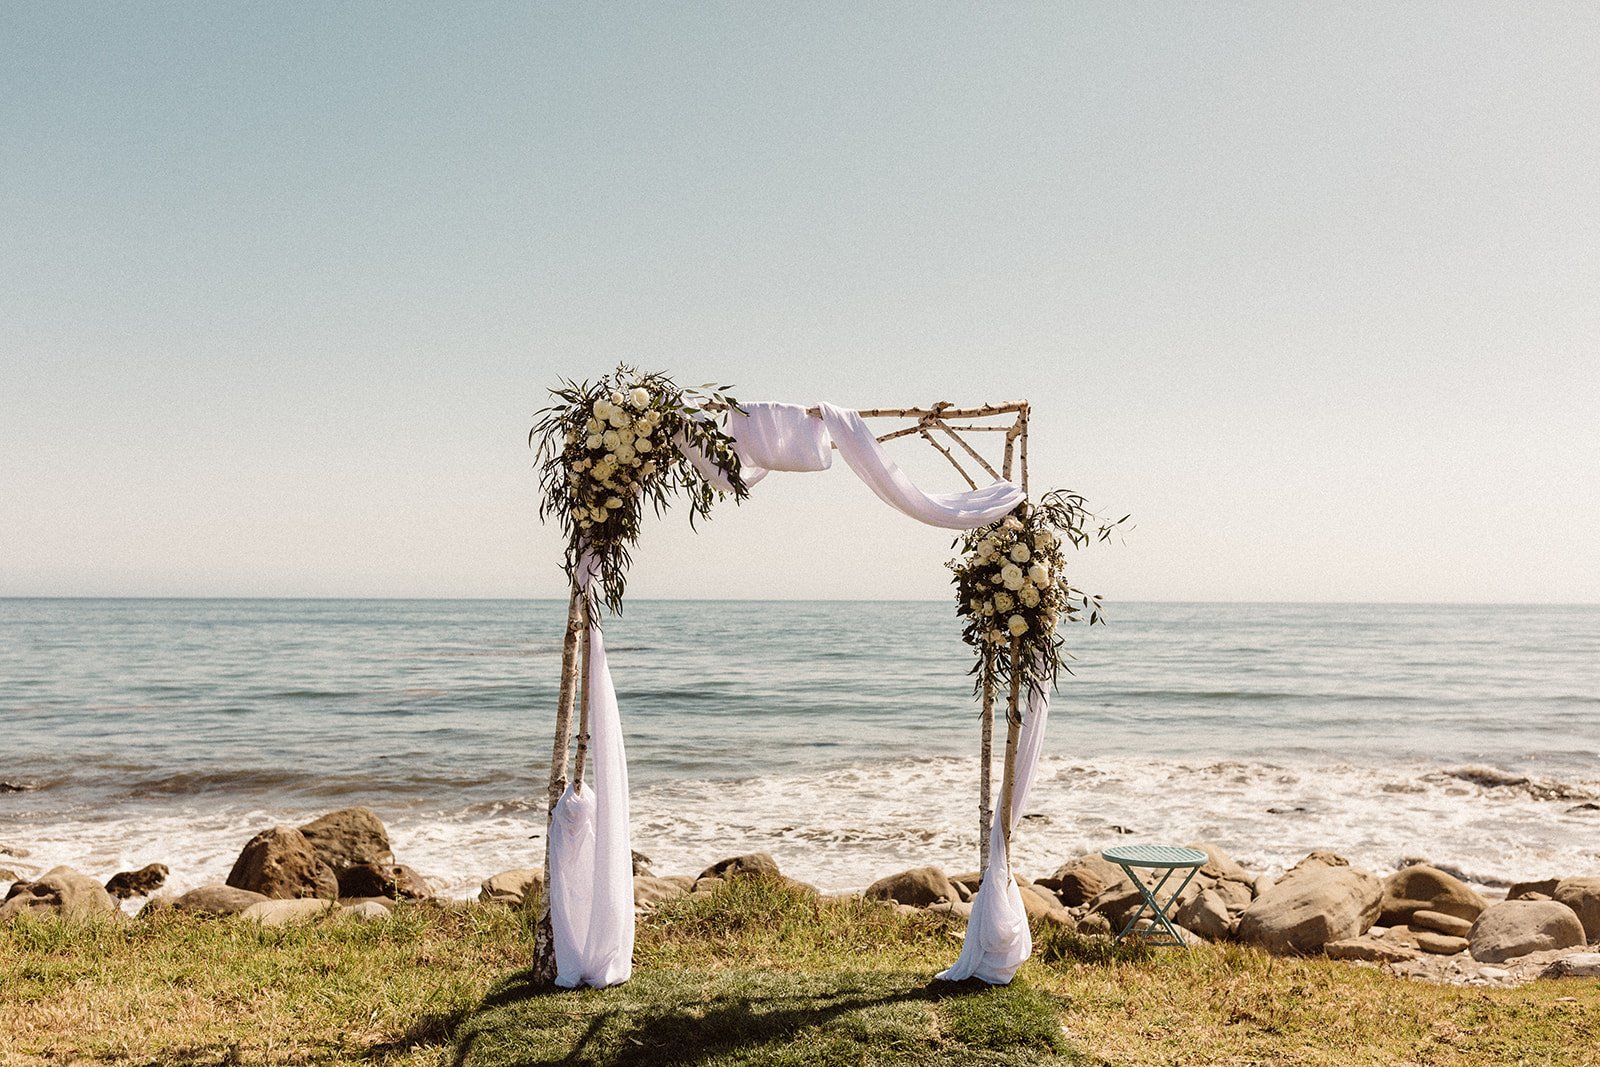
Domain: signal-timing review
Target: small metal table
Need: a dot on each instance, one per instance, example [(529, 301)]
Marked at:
[(1169, 859)]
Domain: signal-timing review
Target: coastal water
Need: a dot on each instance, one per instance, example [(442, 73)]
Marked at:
[(841, 737)]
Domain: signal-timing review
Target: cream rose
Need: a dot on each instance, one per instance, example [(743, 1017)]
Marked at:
[(1039, 574), (592, 442), (639, 398), (1011, 577), (1003, 602), (1019, 553), (1017, 625), (1029, 596)]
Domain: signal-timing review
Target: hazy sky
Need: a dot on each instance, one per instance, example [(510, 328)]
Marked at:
[(1312, 290)]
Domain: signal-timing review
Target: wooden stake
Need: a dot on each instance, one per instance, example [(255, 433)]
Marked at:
[(544, 946), (986, 760), (1013, 728)]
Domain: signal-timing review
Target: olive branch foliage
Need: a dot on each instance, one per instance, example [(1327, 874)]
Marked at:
[(605, 448), (987, 601)]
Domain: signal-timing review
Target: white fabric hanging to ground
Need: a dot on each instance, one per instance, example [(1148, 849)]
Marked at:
[(998, 938), (591, 851), (591, 856)]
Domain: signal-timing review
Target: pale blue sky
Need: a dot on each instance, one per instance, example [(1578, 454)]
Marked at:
[(1313, 290)]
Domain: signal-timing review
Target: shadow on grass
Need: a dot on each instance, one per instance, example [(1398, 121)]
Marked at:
[(679, 1019), (432, 1028)]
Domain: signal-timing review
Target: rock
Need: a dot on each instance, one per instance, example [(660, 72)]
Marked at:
[(708, 885), (140, 883), (648, 890), (1095, 924), (283, 912), (393, 880), (386, 903), (641, 863), (15, 851), (1219, 866), (1042, 904), (1542, 889), (962, 891), (1424, 888), (1515, 928), (969, 880), (349, 837), (280, 863), (959, 908), (1582, 895), (1370, 949), (755, 864), (512, 887), (1577, 965), (1117, 903), (366, 911), (217, 900), (1439, 944), (1318, 901), (8, 875), (59, 891), (919, 886), (1440, 922), (1207, 915), (1080, 880)]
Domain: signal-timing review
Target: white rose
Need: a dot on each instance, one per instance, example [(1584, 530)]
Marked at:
[(650, 468), (592, 425), (1003, 602), (1029, 596), (592, 442), (1044, 539), (1017, 625), (614, 502), (995, 637), (619, 418), (642, 444), (603, 409), (640, 398), (610, 439), (616, 397), (1011, 523), (1039, 574), (1019, 553), (1011, 576), (626, 456)]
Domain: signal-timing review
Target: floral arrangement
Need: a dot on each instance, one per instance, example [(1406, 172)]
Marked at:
[(1012, 589), (605, 448)]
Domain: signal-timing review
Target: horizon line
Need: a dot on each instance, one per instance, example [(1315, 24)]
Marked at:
[(780, 600)]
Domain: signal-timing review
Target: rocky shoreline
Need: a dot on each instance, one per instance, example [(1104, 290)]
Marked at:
[(1420, 922)]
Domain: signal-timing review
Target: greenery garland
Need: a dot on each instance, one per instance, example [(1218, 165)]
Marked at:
[(1011, 583), (607, 447)]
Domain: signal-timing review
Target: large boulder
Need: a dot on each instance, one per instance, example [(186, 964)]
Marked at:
[(1080, 880), (1424, 888), (1582, 895), (920, 887), (393, 880), (754, 864), (511, 887), (1541, 889), (217, 900), (349, 837), (140, 883), (280, 863), (1577, 965), (650, 890), (59, 891), (284, 912), (1321, 899), (1515, 928)]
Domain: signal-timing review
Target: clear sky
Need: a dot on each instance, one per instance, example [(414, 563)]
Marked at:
[(1312, 290)]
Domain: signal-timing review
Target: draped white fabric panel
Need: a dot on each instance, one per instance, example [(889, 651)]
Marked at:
[(954, 511), (591, 853), (998, 938), (779, 437)]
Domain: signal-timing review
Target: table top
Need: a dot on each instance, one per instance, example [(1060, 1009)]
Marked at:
[(1155, 856)]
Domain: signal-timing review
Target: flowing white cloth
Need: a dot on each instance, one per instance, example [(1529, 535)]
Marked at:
[(954, 511), (591, 854), (784, 437), (998, 938)]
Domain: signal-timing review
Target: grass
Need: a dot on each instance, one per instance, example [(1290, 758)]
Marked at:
[(753, 973)]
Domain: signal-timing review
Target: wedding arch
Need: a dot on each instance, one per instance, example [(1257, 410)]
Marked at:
[(608, 448)]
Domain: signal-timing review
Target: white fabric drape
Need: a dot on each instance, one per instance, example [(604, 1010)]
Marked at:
[(998, 938), (954, 511), (591, 852)]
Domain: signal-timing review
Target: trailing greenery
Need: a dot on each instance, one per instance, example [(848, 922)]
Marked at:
[(1012, 589), (605, 448), (754, 973)]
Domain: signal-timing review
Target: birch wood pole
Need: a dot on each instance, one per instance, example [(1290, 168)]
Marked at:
[(544, 946), (1013, 728), (986, 760)]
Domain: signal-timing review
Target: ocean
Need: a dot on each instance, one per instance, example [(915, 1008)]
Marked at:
[(841, 737)]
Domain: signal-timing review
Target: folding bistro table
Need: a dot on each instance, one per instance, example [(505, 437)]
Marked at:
[(1169, 859)]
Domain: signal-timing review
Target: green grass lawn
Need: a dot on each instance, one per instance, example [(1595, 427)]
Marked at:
[(753, 973)]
